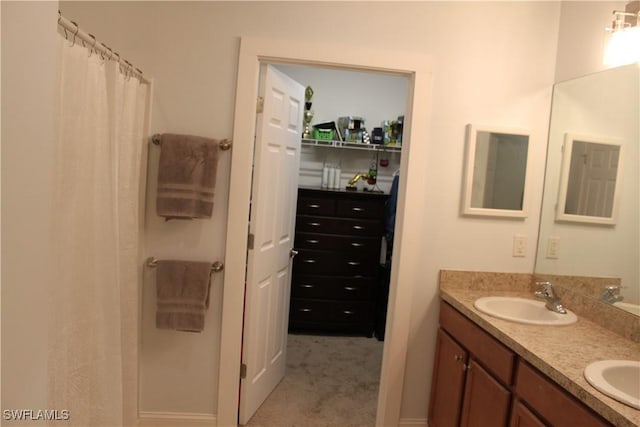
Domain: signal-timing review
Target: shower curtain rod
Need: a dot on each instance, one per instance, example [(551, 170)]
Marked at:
[(72, 31)]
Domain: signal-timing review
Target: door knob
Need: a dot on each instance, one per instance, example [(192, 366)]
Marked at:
[(292, 253)]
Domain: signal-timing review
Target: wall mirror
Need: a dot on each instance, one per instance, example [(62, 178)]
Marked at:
[(591, 170), (603, 103), (495, 172)]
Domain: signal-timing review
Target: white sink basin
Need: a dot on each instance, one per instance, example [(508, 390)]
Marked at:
[(619, 379), (631, 308), (523, 310)]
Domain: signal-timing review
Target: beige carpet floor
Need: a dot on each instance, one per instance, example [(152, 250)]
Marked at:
[(329, 382)]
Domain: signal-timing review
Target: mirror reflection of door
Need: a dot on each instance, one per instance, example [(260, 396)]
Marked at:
[(499, 171), (592, 179)]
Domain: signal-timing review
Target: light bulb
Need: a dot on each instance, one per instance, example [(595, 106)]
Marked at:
[(623, 47)]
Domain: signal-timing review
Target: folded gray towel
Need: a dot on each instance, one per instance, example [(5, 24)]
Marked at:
[(186, 176), (182, 289)]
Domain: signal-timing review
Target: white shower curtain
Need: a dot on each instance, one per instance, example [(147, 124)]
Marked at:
[(96, 234)]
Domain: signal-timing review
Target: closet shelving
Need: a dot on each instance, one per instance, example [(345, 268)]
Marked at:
[(349, 145)]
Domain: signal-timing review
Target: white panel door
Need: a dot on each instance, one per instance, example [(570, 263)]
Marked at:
[(272, 221), (599, 179)]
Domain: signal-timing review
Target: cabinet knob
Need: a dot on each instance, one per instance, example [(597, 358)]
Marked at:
[(313, 206), (309, 261), (353, 263), (313, 224), (458, 358), (350, 288), (305, 310), (312, 241), (347, 312), (358, 227), (357, 209), (304, 285), (356, 244)]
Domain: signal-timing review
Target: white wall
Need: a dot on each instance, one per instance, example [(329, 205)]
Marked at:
[(29, 55), (373, 96), (496, 65)]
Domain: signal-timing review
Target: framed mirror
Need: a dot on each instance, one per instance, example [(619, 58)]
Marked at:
[(590, 179), (495, 172)]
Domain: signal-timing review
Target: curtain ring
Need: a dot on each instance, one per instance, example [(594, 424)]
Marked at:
[(110, 53), (93, 45), (73, 43), (129, 70), (105, 47)]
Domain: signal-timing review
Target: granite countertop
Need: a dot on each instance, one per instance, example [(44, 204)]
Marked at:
[(560, 352)]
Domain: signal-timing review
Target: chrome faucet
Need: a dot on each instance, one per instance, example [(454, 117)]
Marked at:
[(547, 293), (610, 294)]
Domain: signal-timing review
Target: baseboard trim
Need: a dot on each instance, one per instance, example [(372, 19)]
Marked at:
[(414, 422), (171, 419)]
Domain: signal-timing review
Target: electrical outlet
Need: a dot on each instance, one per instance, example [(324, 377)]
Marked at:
[(553, 245), (519, 245)]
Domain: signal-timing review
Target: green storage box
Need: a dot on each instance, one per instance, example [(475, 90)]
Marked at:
[(323, 134)]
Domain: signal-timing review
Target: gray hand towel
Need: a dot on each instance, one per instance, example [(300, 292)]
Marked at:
[(186, 176), (182, 289)]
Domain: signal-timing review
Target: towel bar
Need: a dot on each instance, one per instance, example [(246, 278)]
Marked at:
[(217, 266), (225, 144)]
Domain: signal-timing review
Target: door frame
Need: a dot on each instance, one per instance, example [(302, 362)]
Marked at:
[(405, 271)]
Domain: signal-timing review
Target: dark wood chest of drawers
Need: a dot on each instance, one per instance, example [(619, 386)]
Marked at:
[(335, 274)]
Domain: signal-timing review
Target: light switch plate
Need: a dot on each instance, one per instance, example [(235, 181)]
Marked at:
[(553, 246), (519, 245)]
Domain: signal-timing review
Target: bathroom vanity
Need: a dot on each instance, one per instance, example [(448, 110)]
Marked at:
[(477, 379), (489, 371), (335, 273)]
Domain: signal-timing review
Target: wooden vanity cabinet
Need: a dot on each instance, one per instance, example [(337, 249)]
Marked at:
[(521, 416), (552, 404), (477, 381), (447, 386), (335, 274), (471, 377)]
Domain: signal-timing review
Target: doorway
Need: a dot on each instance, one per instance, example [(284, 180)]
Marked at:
[(347, 295), (404, 274)]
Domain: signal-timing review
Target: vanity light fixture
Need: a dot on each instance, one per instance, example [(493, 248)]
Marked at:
[(623, 46)]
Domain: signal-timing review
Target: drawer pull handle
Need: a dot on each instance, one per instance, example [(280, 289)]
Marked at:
[(458, 358), (309, 261), (305, 310), (312, 241), (314, 224), (357, 245), (350, 288), (358, 227), (306, 286), (353, 263), (357, 209), (347, 312), (313, 206)]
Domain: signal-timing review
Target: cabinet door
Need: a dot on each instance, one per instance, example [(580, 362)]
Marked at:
[(556, 406), (486, 401), (447, 383), (523, 417)]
